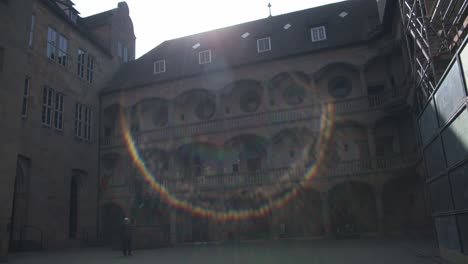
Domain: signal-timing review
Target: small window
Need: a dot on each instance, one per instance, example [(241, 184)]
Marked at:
[(318, 34), (81, 63), (58, 111), (47, 102), (63, 49), (263, 44), (51, 43), (159, 66), (25, 101), (204, 57), (31, 30), (90, 69), (78, 119), (88, 119)]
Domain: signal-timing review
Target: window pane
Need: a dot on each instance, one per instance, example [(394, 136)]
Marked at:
[(450, 94)]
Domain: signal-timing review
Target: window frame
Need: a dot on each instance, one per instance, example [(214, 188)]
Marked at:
[(47, 106), (261, 41), (208, 51), (31, 30), (90, 69), (25, 97), (80, 59), (62, 50), (88, 119), (58, 110), (51, 50), (78, 120), (318, 30), (159, 63)]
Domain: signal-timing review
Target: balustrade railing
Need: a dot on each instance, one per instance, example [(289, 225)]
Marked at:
[(310, 112)]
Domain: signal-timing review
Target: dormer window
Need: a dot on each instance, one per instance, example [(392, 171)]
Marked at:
[(159, 66), (263, 44), (318, 33), (204, 57)]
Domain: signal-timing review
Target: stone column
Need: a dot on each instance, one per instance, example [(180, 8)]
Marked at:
[(362, 77), (173, 227), (372, 148), (379, 208), (326, 214)]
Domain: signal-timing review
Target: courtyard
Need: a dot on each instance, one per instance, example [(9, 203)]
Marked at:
[(360, 251)]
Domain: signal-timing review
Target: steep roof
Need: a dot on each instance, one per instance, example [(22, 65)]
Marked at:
[(230, 49)]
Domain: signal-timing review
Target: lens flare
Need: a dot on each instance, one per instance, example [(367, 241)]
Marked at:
[(275, 201)]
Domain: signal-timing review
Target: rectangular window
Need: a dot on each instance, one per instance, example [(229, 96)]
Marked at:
[(263, 44), (159, 66), (204, 57), (78, 120), (89, 69), (125, 54), (58, 111), (88, 117), (2, 57), (318, 34), (81, 63), (25, 101), (31, 30), (51, 43), (47, 106), (63, 49)]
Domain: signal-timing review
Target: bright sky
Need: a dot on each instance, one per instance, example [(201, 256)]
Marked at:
[(156, 21)]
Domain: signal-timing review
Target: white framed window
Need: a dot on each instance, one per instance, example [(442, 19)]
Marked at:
[(81, 63), (78, 120), (204, 57), (318, 33), (25, 98), (90, 69), (159, 66), (31, 30), (51, 43), (47, 102), (263, 44), (125, 54), (58, 111), (88, 119), (63, 49)]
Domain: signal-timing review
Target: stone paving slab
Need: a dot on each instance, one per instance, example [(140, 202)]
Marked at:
[(362, 251)]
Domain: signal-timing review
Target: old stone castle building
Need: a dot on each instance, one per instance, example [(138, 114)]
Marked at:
[(297, 125)]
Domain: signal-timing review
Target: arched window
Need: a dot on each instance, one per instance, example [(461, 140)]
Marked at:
[(339, 87)]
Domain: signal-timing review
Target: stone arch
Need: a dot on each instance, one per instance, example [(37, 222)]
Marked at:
[(242, 96), (403, 204), (246, 153), (302, 216), (291, 89), (195, 105), (293, 146), (111, 119), (351, 140), (338, 80), (352, 207), (151, 113), (197, 159), (112, 215)]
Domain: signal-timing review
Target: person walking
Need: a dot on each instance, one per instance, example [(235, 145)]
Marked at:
[(126, 235)]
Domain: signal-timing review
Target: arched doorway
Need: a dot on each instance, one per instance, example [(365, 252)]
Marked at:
[(111, 219), (352, 208)]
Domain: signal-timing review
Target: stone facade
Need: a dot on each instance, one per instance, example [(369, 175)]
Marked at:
[(53, 146), (239, 138)]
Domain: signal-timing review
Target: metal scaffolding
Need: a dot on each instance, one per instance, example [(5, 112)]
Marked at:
[(434, 30)]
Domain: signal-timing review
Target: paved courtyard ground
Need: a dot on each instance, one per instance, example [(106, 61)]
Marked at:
[(362, 251)]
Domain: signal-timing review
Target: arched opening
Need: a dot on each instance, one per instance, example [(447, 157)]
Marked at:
[(111, 120), (197, 159), (111, 219), (339, 80), (150, 113), (246, 153), (293, 147), (352, 208), (290, 89), (195, 105), (403, 205), (302, 216), (242, 96)]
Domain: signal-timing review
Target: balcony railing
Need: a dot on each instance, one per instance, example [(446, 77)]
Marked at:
[(352, 168), (310, 113)]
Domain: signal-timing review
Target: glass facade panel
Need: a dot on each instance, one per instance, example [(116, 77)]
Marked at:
[(455, 138), (428, 123), (447, 232), (440, 195), (450, 94), (459, 180), (434, 158)]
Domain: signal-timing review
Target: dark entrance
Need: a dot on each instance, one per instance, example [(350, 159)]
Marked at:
[(200, 230), (112, 216)]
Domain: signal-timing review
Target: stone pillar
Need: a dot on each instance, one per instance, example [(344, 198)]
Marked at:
[(362, 76), (372, 148), (379, 208), (173, 227), (326, 215)]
